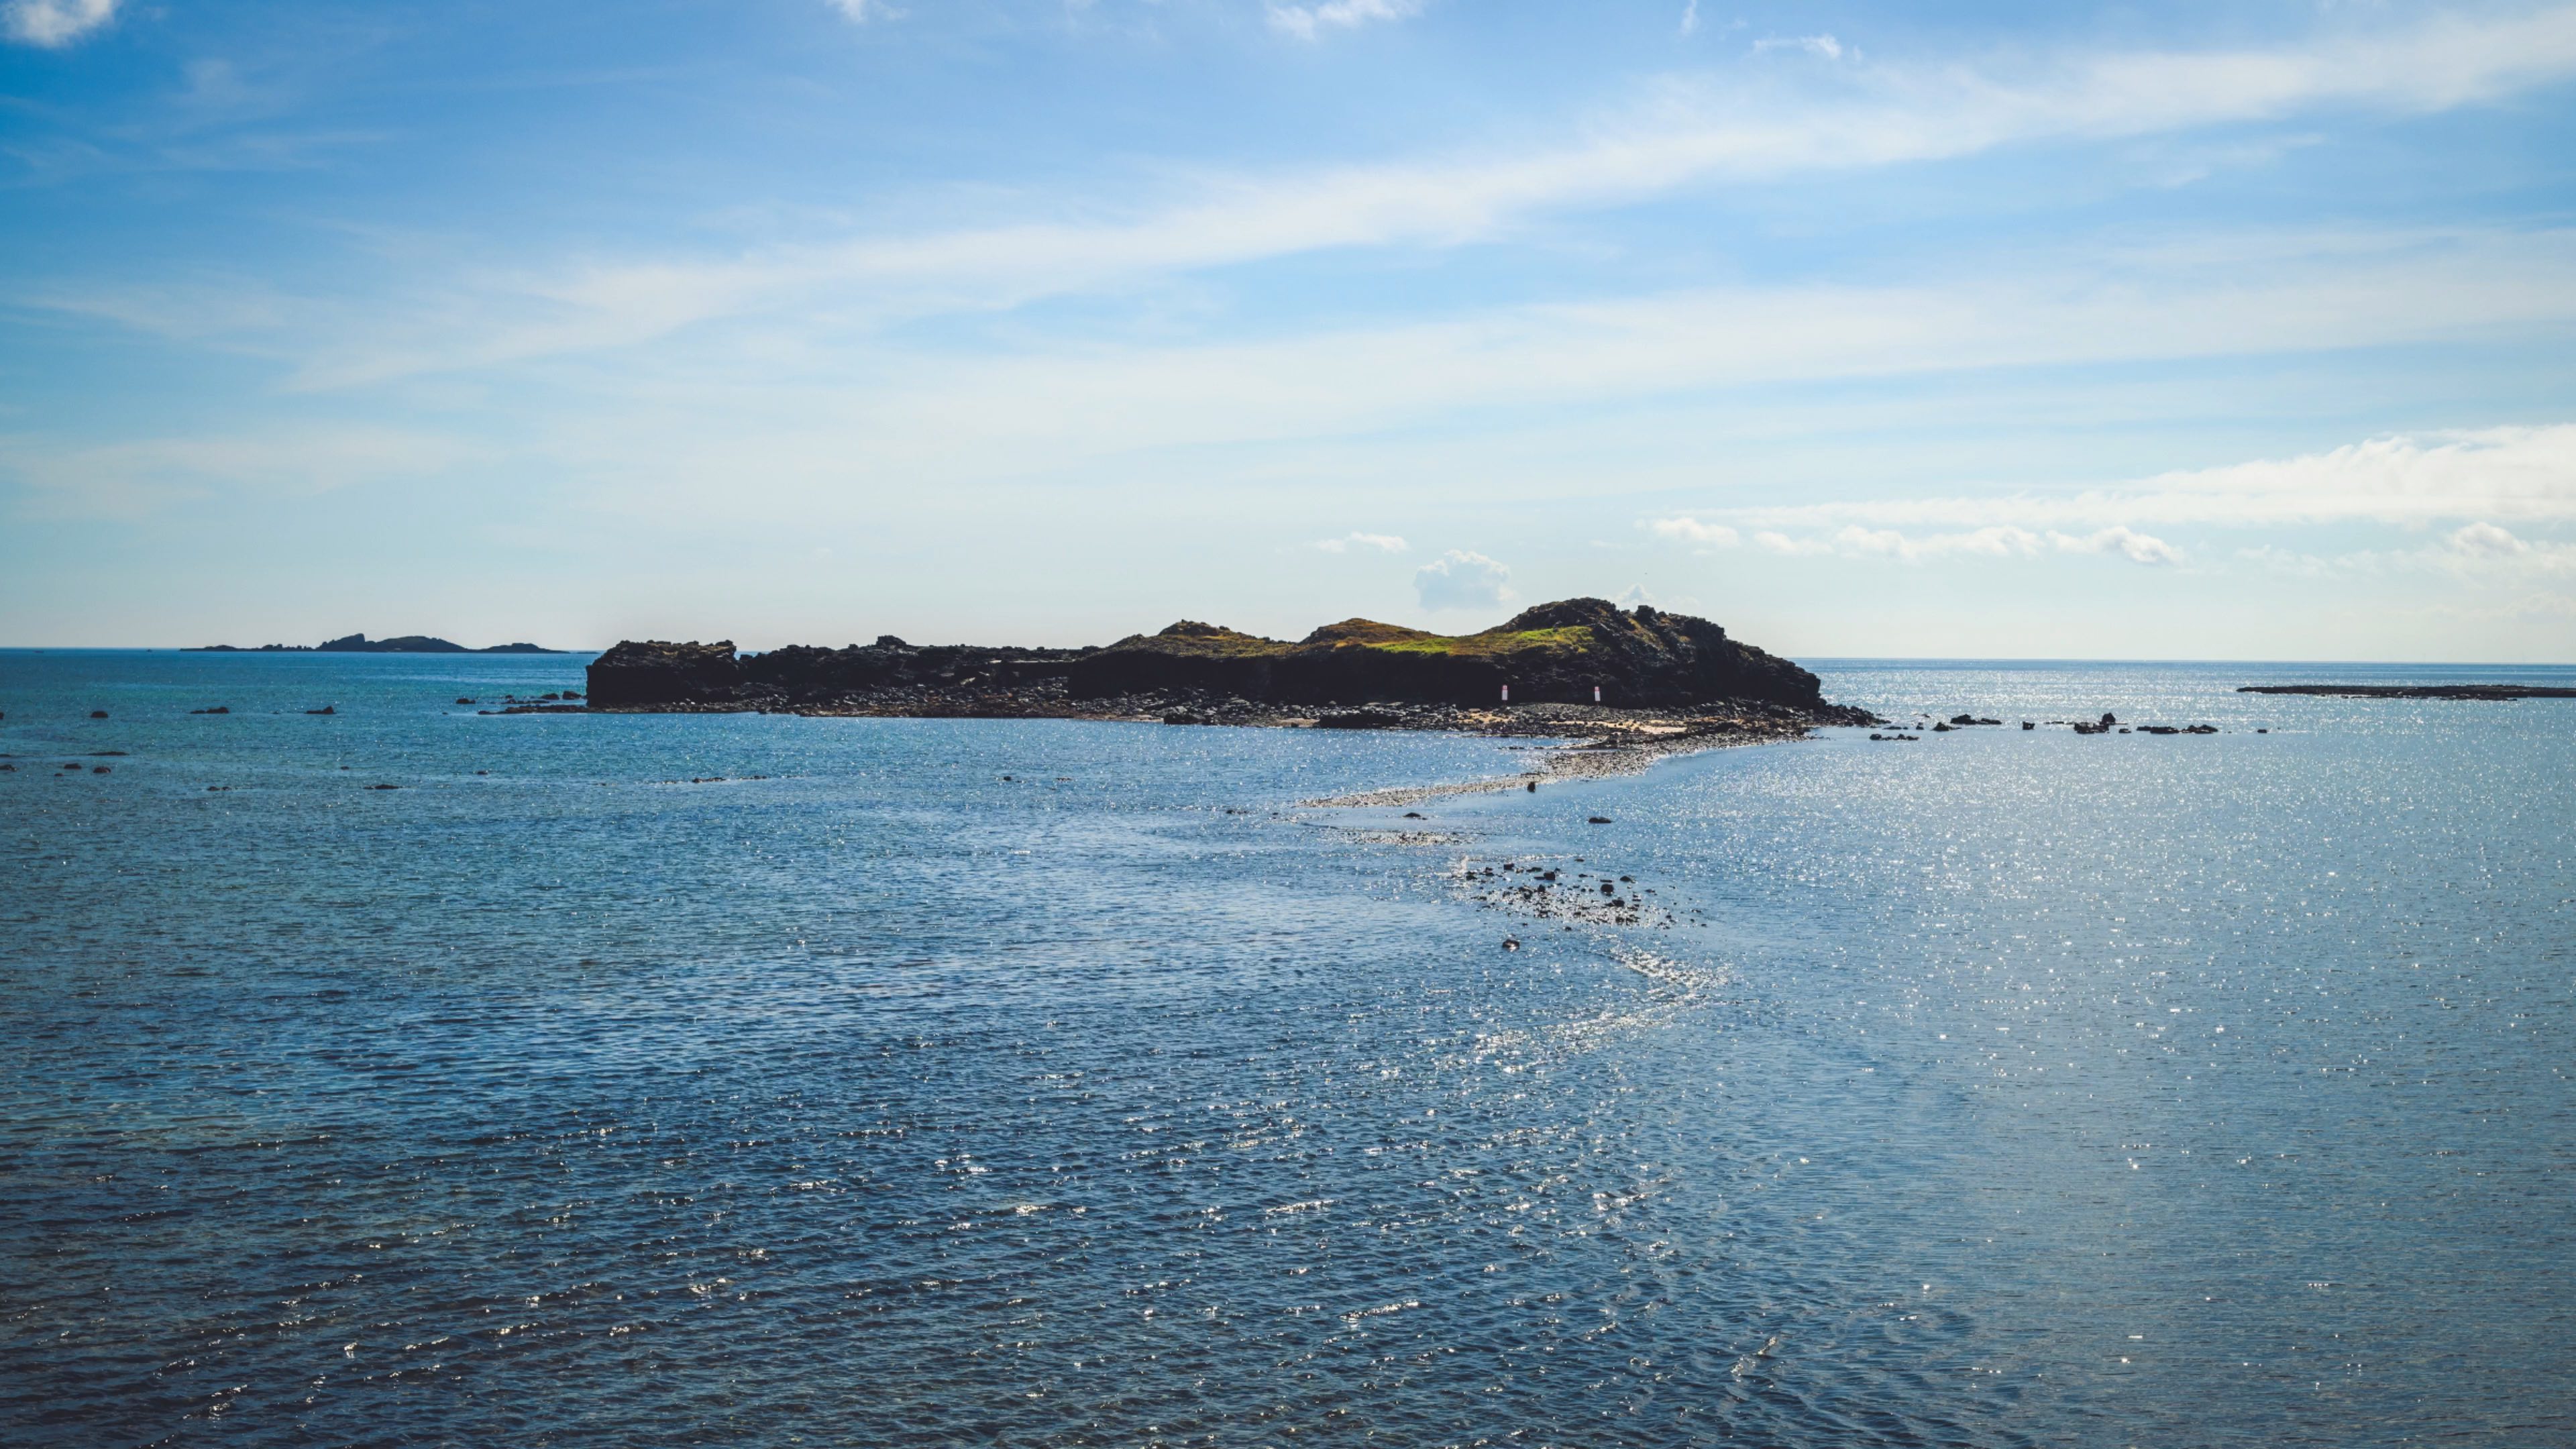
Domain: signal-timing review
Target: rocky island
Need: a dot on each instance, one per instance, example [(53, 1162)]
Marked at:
[(361, 644), (1576, 667)]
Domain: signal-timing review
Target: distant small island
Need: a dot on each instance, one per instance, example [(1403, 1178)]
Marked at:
[(361, 644), (2416, 691)]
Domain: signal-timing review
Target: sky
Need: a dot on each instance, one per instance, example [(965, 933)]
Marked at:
[(1994, 329)]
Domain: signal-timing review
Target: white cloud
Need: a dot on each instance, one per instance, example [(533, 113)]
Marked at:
[(1690, 17), (1458, 580), (1818, 45), (862, 11), (2127, 542), (1382, 542), (1781, 543), (1691, 530), (2485, 540), (53, 24), (1306, 21)]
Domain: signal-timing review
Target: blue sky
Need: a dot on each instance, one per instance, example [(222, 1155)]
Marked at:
[(2187, 331)]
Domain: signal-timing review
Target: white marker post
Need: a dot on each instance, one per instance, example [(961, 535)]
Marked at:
[(1596, 694), (1507, 694)]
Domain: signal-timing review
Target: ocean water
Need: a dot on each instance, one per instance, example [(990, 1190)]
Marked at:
[(760, 1080)]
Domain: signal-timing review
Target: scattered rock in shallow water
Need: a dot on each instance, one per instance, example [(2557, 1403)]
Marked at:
[(74, 765), (1533, 787), (1600, 820), (98, 714), (2026, 724), (1941, 729), (99, 769), (461, 699), (1413, 815), (1511, 943), (384, 787), (218, 709), (326, 709)]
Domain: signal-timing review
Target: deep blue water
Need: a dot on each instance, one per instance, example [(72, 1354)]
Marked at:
[(2002, 1088)]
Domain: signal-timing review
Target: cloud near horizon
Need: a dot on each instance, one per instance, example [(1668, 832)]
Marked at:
[(2403, 480), (1382, 542), (1462, 580)]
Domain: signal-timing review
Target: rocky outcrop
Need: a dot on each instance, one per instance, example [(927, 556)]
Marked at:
[(655, 675), (1355, 674), (1554, 653)]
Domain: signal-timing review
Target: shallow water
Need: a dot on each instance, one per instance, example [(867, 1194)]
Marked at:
[(2005, 1087)]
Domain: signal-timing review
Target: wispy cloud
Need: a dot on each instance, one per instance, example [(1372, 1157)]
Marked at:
[(861, 12), (1996, 541), (1307, 21), (1380, 542), (53, 24), (1883, 115), (1818, 45), (1691, 530), (141, 476)]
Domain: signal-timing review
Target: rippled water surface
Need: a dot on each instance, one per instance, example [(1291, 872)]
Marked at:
[(730, 1079)]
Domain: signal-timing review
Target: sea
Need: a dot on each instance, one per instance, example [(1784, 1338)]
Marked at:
[(411, 1075)]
